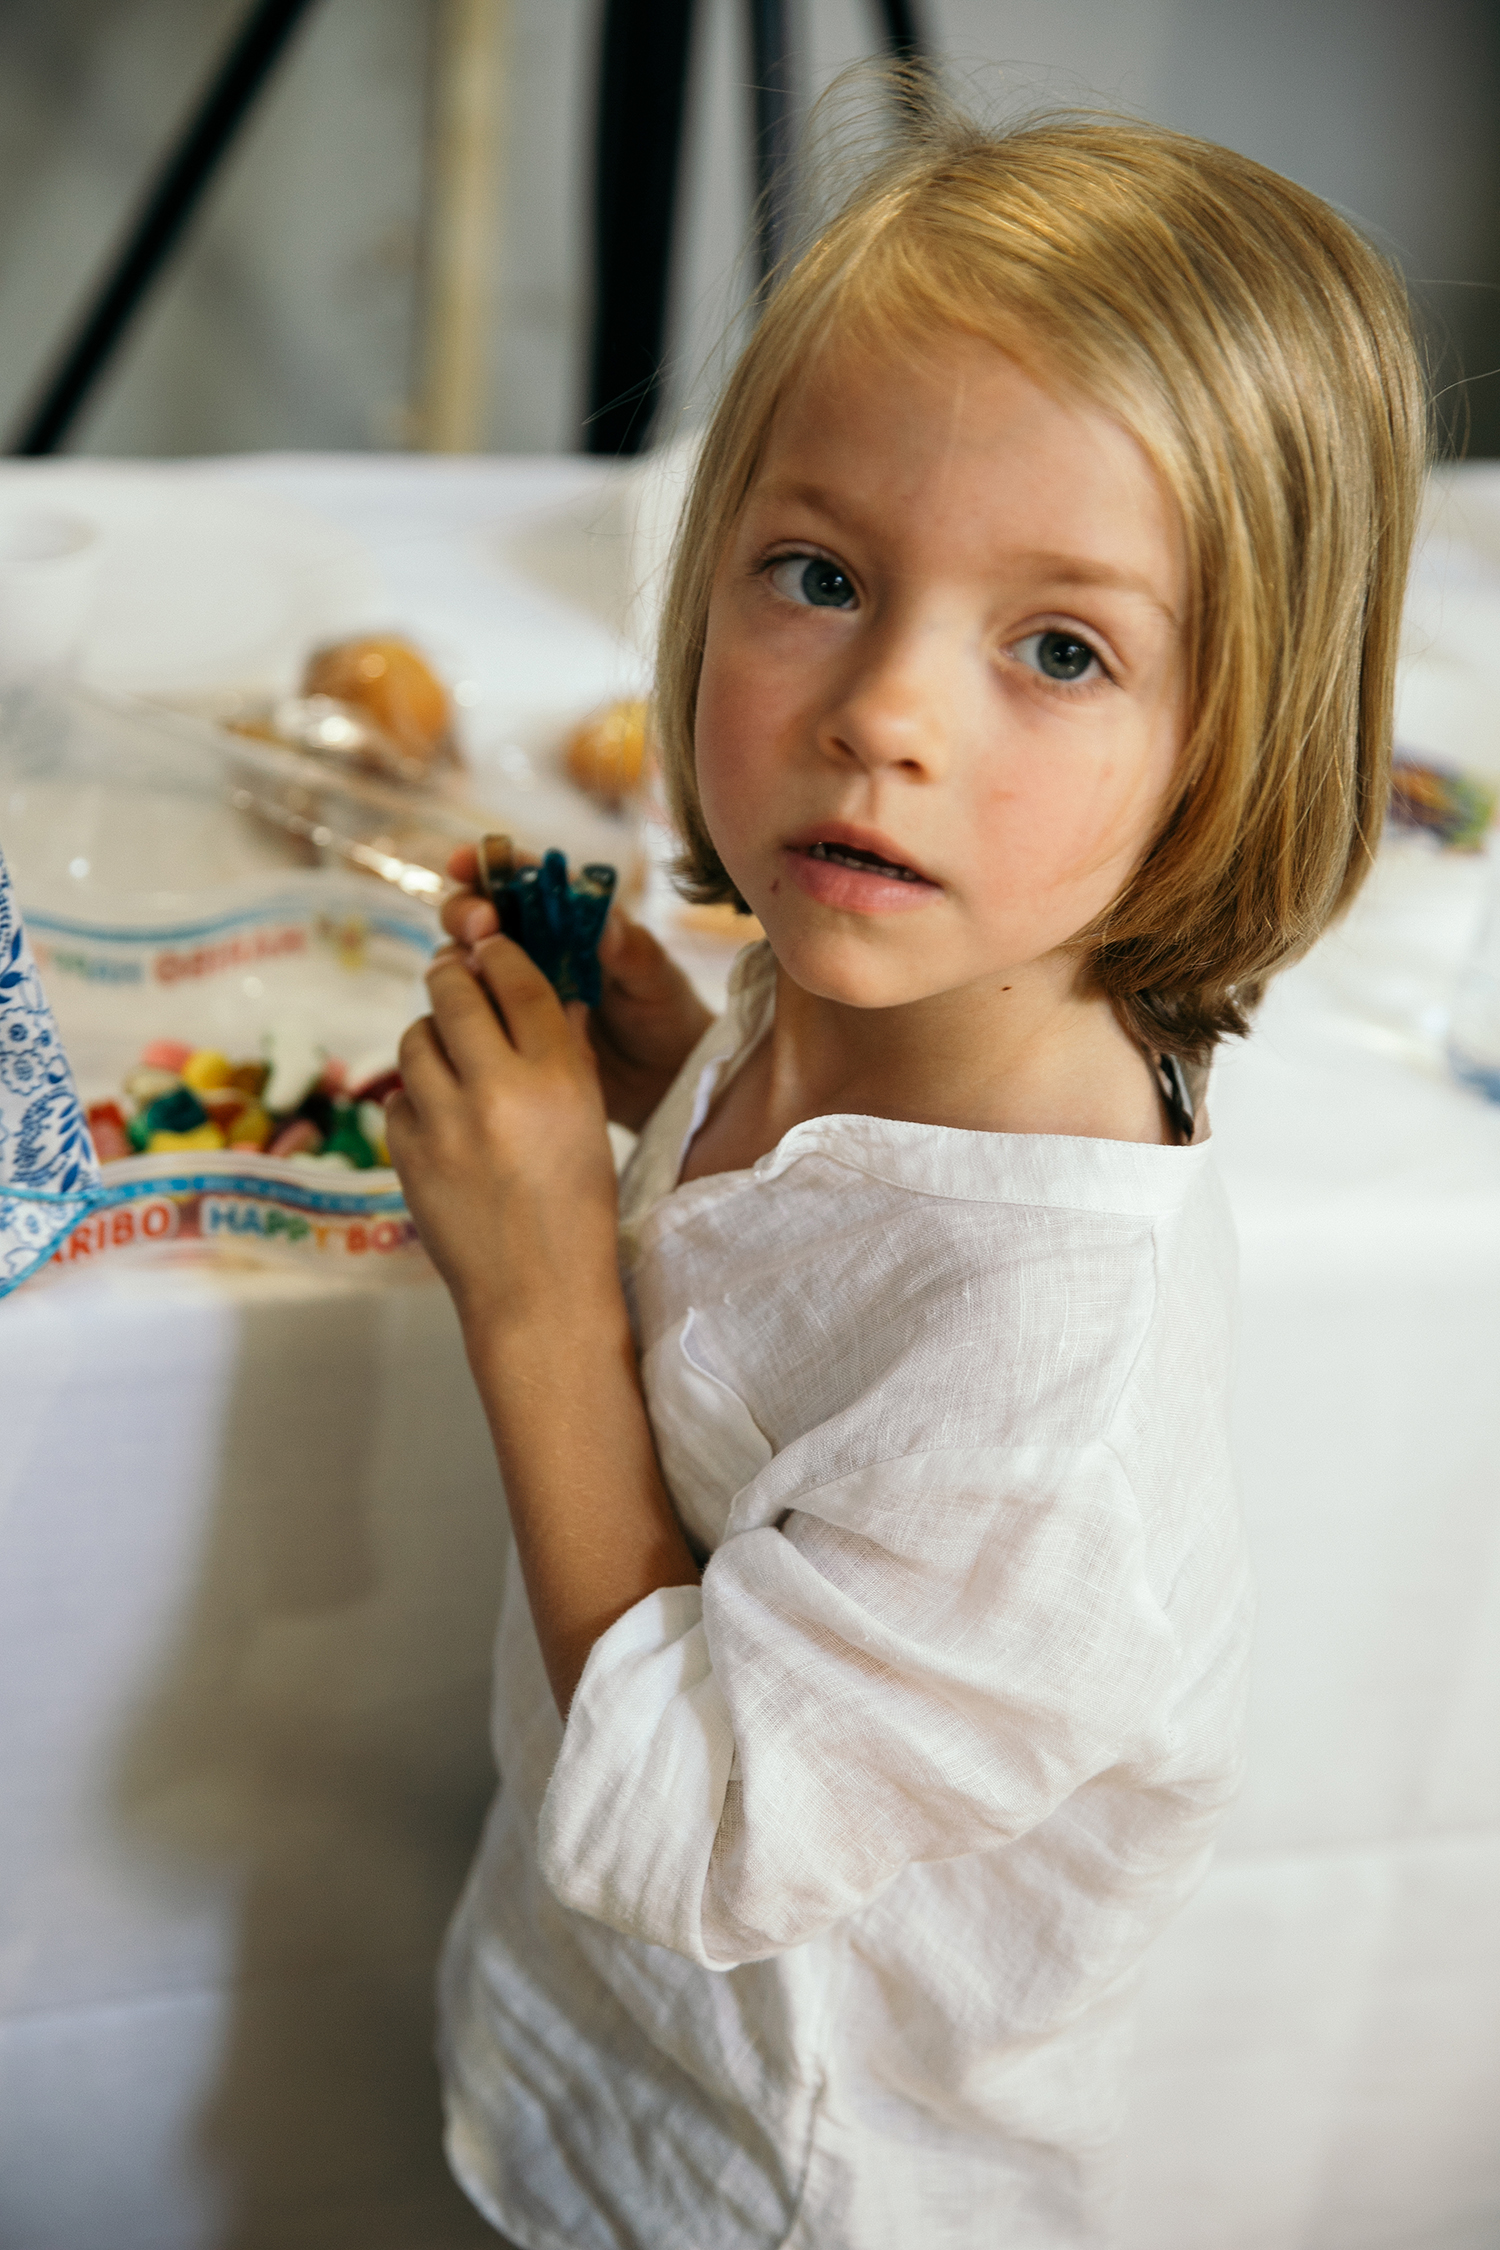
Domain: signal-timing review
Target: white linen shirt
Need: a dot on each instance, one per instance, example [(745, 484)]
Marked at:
[(817, 1924)]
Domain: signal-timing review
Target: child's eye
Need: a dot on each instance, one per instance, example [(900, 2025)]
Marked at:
[(1059, 656), (814, 580)]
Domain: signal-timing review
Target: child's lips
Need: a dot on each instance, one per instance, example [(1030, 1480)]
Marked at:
[(861, 877)]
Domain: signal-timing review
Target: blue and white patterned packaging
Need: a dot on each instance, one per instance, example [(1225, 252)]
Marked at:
[(49, 1174)]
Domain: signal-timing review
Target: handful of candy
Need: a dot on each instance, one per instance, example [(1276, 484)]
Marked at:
[(556, 919), (297, 1103)]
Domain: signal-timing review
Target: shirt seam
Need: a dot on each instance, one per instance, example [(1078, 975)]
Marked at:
[(997, 1202), (749, 1178)]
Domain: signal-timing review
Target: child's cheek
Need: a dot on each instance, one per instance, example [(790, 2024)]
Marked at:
[(733, 757), (726, 798), (1049, 849)]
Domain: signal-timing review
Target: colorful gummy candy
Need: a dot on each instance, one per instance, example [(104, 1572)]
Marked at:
[(296, 1103)]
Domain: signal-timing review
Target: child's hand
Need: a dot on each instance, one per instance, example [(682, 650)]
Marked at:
[(499, 1137), (649, 1019)]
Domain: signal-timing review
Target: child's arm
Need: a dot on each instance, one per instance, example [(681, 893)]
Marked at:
[(649, 1019), (499, 1138)]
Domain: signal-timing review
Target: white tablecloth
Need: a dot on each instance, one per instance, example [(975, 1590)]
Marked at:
[(249, 1549)]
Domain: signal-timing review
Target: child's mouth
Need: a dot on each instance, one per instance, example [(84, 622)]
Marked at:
[(856, 878), (869, 863)]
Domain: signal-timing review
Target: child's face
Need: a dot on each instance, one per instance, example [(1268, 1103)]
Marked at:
[(943, 685)]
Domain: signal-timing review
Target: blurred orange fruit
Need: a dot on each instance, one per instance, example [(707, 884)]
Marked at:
[(606, 756), (389, 680)]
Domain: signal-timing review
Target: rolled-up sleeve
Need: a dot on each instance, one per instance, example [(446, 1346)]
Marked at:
[(920, 1660)]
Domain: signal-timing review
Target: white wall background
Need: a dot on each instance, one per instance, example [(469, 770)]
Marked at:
[(289, 319)]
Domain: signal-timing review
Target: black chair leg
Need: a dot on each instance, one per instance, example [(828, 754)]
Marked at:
[(772, 79), (900, 20), (173, 198), (642, 91), (642, 96)]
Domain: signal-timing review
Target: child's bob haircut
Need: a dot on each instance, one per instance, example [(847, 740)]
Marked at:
[(1261, 353)]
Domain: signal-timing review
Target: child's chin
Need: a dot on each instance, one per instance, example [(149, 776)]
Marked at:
[(851, 974)]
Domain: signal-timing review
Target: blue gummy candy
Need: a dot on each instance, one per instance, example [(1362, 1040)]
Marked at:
[(558, 923), (178, 1111)]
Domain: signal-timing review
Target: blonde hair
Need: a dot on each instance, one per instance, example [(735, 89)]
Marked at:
[(1261, 353)]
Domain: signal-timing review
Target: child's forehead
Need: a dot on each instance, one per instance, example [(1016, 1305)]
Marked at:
[(876, 384), (858, 407), (854, 349), (962, 456)]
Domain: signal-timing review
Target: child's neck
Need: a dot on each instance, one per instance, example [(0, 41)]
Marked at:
[(1034, 1056)]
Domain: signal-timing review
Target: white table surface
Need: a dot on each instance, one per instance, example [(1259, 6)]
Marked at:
[(249, 1557)]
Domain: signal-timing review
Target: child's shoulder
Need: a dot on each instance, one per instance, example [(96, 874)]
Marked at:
[(950, 1288)]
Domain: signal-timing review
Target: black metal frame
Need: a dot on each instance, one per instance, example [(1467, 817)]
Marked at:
[(173, 197), (903, 34), (773, 91), (642, 98), (643, 73)]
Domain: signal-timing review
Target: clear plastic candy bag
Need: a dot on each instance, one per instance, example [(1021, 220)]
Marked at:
[(176, 887)]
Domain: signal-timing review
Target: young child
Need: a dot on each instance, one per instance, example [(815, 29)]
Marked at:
[(870, 1684)]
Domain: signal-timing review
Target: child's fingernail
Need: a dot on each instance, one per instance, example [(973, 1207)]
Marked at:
[(475, 924)]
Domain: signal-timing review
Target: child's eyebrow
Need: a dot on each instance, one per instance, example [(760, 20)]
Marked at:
[(1073, 570), (811, 496)]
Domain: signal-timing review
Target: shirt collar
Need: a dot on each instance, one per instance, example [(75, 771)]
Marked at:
[(1055, 1170)]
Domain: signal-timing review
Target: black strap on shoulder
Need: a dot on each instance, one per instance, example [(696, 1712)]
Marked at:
[(1175, 1093)]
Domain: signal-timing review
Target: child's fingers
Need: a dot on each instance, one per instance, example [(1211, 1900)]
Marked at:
[(530, 1008), (578, 1013), (468, 918), (425, 1069), (463, 862), (473, 1040), (400, 1123)]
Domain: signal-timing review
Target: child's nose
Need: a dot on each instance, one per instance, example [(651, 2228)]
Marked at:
[(892, 715)]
